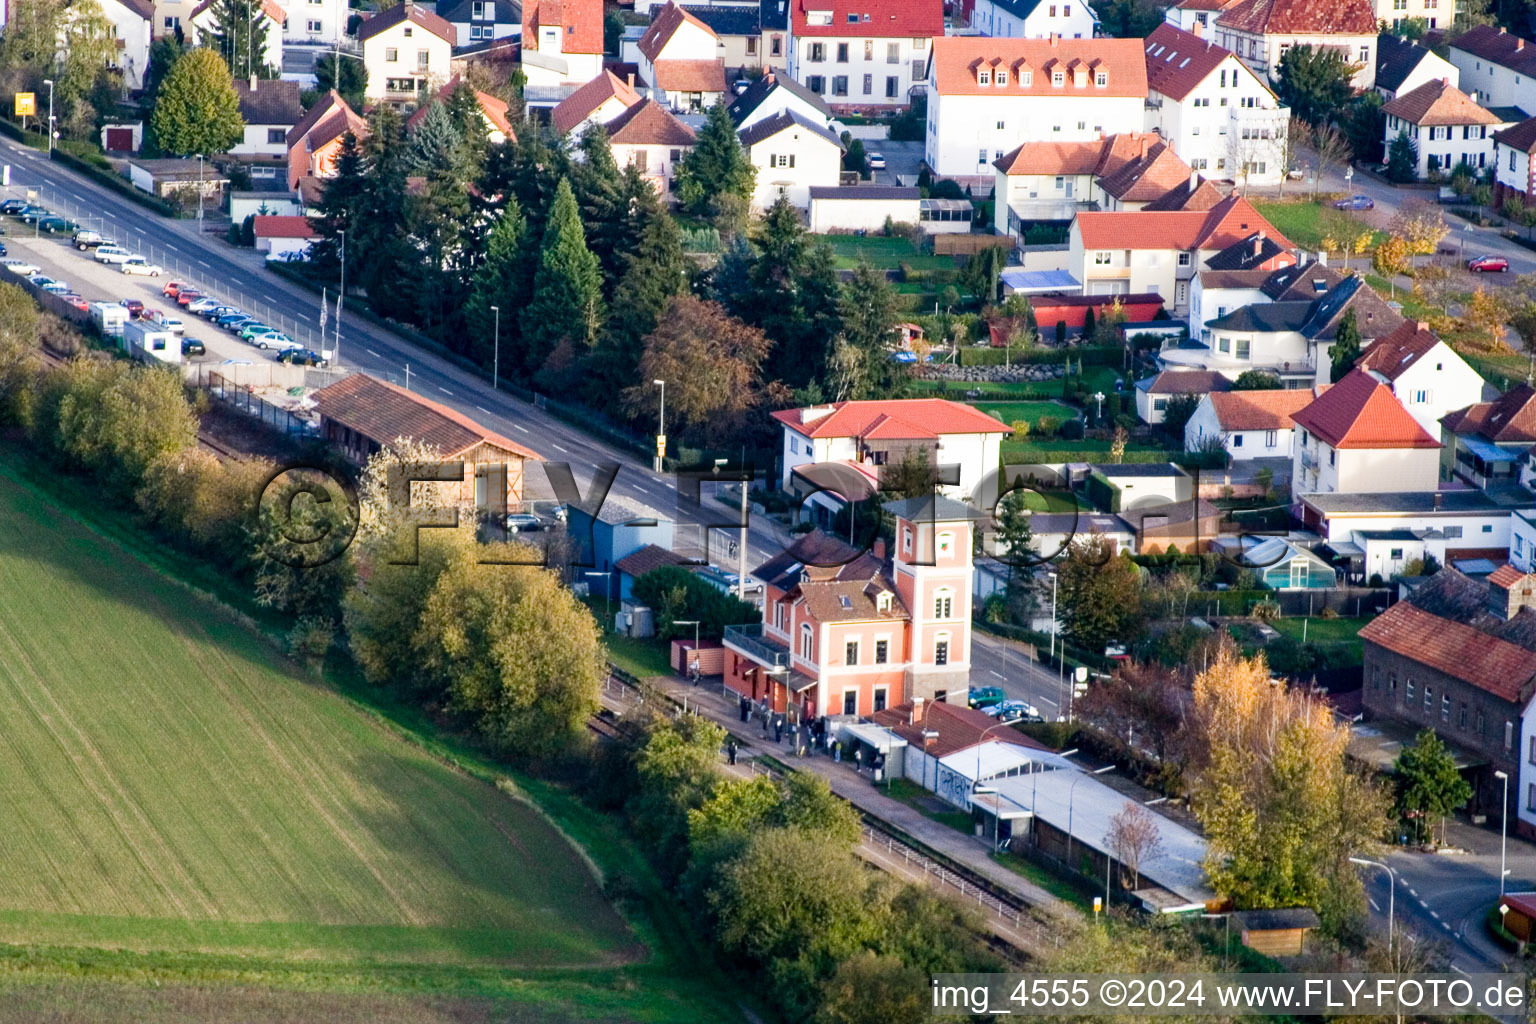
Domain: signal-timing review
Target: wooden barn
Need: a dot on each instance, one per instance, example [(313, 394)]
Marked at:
[(1276, 932)]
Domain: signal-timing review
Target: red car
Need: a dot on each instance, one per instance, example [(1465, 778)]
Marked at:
[(186, 295), (1485, 264), (171, 289), (135, 308)]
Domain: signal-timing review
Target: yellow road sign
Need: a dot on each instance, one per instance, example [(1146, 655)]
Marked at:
[(26, 104)]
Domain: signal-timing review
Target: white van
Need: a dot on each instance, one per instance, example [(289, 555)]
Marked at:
[(112, 254)]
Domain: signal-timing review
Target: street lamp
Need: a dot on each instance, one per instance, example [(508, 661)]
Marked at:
[(1391, 895), (607, 595), (496, 351), (49, 83), (200, 181), (1503, 830), (661, 424), (976, 786), (1070, 794), (1053, 614), (1099, 397), (340, 297)]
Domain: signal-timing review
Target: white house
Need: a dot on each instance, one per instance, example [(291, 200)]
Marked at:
[(863, 207), (1186, 14), (1468, 521), (1522, 539), (1250, 424), (1211, 107), (1215, 293), (270, 108), (1446, 127), (315, 21), (773, 94), (203, 25), (1356, 437), (1261, 31), (1402, 66), (597, 102), (1488, 444), (478, 21), (132, 27), (868, 435), (791, 154), (1154, 393), (277, 235), (678, 59), (1497, 68), (1034, 19), (1512, 149), (985, 96), (1425, 374), (650, 138), (562, 43), (868, 55), (407, 50)]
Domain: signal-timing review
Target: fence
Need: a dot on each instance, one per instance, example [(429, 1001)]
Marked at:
[(242, 399), (968, 245)]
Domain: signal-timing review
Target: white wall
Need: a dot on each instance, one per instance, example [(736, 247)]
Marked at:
[(1229, 120), (963, 135), (1071, 20), (256, 143), (1471, 525), (1240, 444), (206, 25), (1361, 470), (1450, 144), (1492, 85), (778, 101), (1206, 304), (134, 32), (1263, 53), (407, 63), (866, 56), (1522, 540), (1431, 68), (658, 163), (1438, 382), (816, 162), (330, 14), (855, 214), (1514, 168)]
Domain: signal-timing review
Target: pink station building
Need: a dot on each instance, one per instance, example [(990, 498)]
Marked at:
[(846, 632)]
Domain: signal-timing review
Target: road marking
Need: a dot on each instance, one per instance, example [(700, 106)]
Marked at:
[(1412, 891), (1433, 914), (1047, 700), (1459, 970), (301, 316), (483, 409), (519, 426), (1445, 926), (444, 390), (202, 264), (1375, 906), (997, 673), (1423, 904), (561, 448), (373, 353), (171, 247)]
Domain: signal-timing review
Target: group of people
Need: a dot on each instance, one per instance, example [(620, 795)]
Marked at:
[(806, 737)]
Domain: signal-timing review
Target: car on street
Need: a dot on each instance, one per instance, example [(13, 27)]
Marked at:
[(40, 279), (727, 582), (20, 267), (166, 321), (1014, 711), (1488, 264), (170, 289), (276, 340), (114, 254), (985, 696), (1355, 203), (56, 225), (11, 207), (87, 239), (877, 161), (522, 522), (291, 256), (134, 307), (139, 266), (302, 357), (193, 347), (2, 249)]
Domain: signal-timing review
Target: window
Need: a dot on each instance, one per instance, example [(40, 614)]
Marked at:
[(776, 46), (1445, 709), (906, 541), (890, 86), (1159, 404), (941, 650), (839, 85), (879, 698), (276, 137), (1237, 440), (1101, 79), (1533, 750), (1101, 259), (407, 32), (1000, 127), (851, 652), (1408, 690), (1000, 77), (639, 159), (984, 77), (882, 651), (805, 640), (1365, 55), (778, 615), (981, 157), (391, 55), (943, 603), (423, 60), (1270, 438), (893, 53), (781, 160), (1461, 715), (1530, 797), (1058, 78), (842, 53), (1183, 259), (1243, 347), (1395, 554), (850, 702), (818, 52), (752, 46), (477, 10), (1487, 528), (1331, 458), (313, 27), (816, 84), (1509, 735), (869, 49), (1452, 532), (869, 85)]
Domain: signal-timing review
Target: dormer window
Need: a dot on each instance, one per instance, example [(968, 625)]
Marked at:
[(984, 77), (1002, 77), (883, 601), (1026, 78), (1101, 79), (1058, 79)]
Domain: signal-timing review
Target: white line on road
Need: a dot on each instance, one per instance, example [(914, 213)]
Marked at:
[(1047, 700), (1412, 891), (444, 390), (483, 409), (301, 316), (202, 264), (519, 426), (1445, 926), (373, 353), (1434, 915), (997, 673), (561, 448), (1458, 969), (1375, 906), (1423, 904)]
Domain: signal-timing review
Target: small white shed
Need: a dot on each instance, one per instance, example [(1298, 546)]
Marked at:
[(862, 207)]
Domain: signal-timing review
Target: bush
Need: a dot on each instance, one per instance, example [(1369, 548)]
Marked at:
[(1072, 430), (1267, 610), (1047, 426), (1020, 429)]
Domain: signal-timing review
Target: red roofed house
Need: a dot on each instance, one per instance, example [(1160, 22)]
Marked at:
[(360, 414), (853, 633), (1356, 438), (205, 28), (562, 41), (679, 57), (1486, 442), (1459, 656), (868, 55), (649, 137), (315, 141), (1159, 252), (1514, 170), (1251, 424), (498, 127), (985, 96), (597, 102), (863, 436), (1260, 31), (1223, 119), (407, 50), (1154, 393), (1426, 374), (1446, 126), (1072, 310), (283, 234)]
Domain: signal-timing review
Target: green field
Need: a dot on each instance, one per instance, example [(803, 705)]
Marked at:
[(171, 785), (1008, 412), (1307, 223), (1057, 450), (882, 252)]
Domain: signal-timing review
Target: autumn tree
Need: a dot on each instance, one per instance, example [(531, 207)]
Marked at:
[(1391, 259), (1134, 837), (197, 111), (1488, 311), (1100, 596), (1421, 225), (1141, 704)]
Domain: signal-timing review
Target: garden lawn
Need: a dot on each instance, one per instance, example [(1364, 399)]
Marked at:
[(1009, 412), (1340, 636), (1056, 450), (1307, 223), (172, 785), (882, 252)]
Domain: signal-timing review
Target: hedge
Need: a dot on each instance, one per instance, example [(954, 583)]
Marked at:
[(1109, 355), (116, 182), (1031, 453), (36, 140), (1102, 492)]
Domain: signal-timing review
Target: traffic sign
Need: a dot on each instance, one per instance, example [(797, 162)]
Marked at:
[(661, 446), (26, 104)]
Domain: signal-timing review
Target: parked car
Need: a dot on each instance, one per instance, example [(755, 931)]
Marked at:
[(170, 289), (56, 225), (2, 249), (30, 213), (276, 340), (56, 288), (193, 347), (1014, 711), (139, 266), (40, 279), (114, 254), (134, 307), (217, 311), (201, 305), (1355, 203), (20, 267), (291, 256), (166, 321), (522, 522), (727, 582), (251, 328), (985, 696), (876, 161), (87, 239), (187, 295), (233, 321), (11, 207), (302, 357), (1488, 264)]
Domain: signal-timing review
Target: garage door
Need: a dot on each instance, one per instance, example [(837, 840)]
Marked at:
[(120, 140)]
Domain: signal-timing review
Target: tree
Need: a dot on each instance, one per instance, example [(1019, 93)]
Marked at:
[(501, 280), (981, 272), (791, 292), (1177, 413), (1391, 259), (1129, 19), (114, 419), (346, 74), (873, 989), (1135, 839), (869, 311), (715, 168), (679, 593), (1142, 704), (1523, 321), (1428, 782), (1346, 346), (164, 52), (198, 111), (1256, 380), (652, 274), (1487, 311), (1314, 82), (1100, 594), (1421, 225), (713, 364), (288, 575), (1402, 159), (1364, 125), (675, 769), (854, 158), (240, 37), (343, 202), (565, 312)]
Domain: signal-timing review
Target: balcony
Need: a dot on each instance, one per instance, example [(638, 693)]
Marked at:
[(749, 640), (1309, 461)]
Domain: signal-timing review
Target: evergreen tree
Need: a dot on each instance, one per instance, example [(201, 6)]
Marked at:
[(1402, 159), (383, 254), (1346, 346), (715, 168), (501, 280), (600, 195), (565, 312), (463, 108), (792, 293), (342, 204), (197, 110), (163, 54), (1314, 82), (346, 74), (655, 272), (439, 219), (869, 313), (240, 37)]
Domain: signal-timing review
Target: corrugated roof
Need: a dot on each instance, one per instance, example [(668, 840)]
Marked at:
[(1361, 412), (956, 60), (382, 411)]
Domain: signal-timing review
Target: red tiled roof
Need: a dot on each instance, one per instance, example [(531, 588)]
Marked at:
[(872, 18), (1499, 47), (1505, 576), (495, 110), (1438, 103), (1151, 177), (664, 25), (1301, 17), (1096, 157), (1188, 382), (328, 118), (1178, 61), (1259, 410), (1205, 196), (268, 7), (958, 728), (690, 75), (958, 58), (390, 17), (1361, 412), (649, 123), (927, 417), (1520, 137), (1394, 353), (1486, 662), (638, 563), (1511, 418), (382, 412), (580, 23), (271, 226), (579, 105), (1229, 221)]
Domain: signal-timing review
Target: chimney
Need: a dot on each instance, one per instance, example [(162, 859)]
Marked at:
[(631, 77), (1194, 181), (1438, 501), (1421, 325), (917, 711), (253, 81), (1053, 40), (878, 548), (1519, 44), (1197, 30), (1258, 245)]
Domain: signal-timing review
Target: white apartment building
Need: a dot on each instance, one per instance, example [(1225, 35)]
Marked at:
[(1261, 31), (1497, 69), (1357, 438), (562, 43), (678, 59), (407, 50), (132, 25), (1034, 19), (862, 54), (1211, 107), (986, 96), (1446, 127), (315, 21), (1402, 66)]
